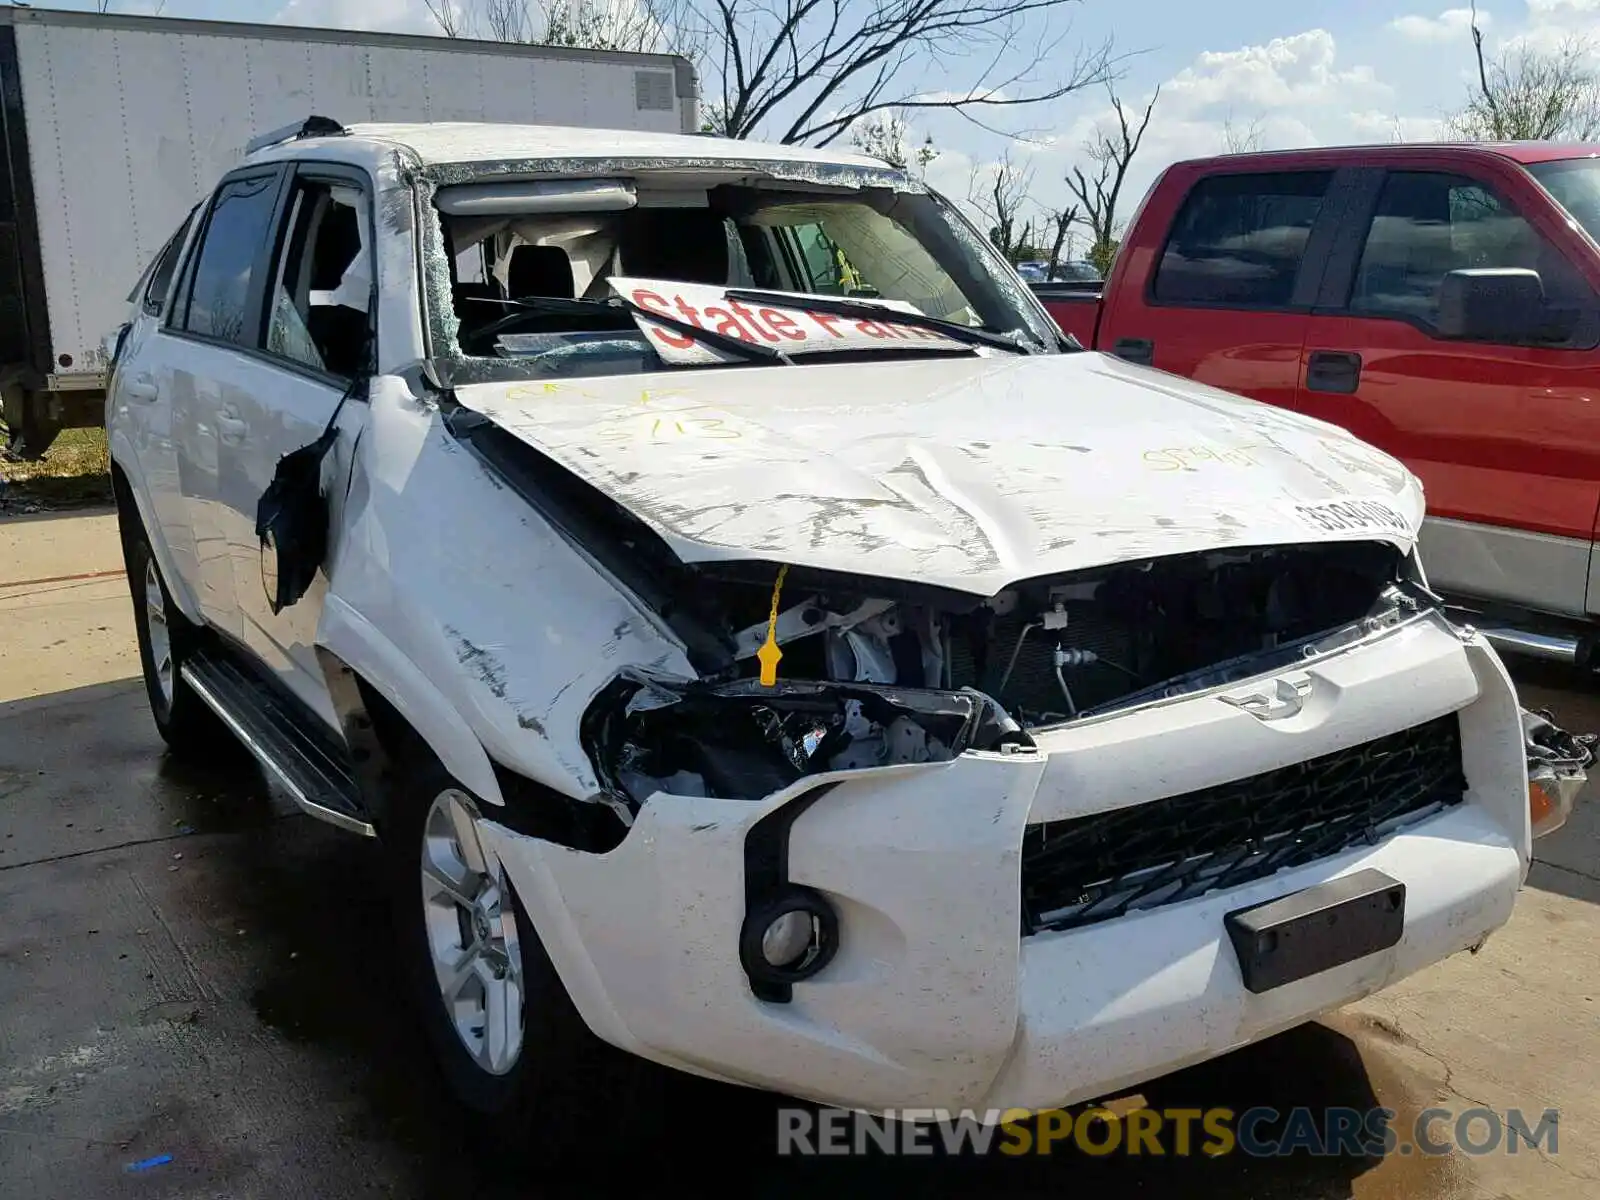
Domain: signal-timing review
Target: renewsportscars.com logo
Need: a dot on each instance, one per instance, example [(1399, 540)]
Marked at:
[(1257, 1132)]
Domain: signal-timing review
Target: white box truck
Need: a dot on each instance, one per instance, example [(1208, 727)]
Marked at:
[(112, 126)]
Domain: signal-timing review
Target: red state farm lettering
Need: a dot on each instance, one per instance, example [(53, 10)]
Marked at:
[(730, 318), (658, 304), (783, 325), (749, 318), (727, 324)]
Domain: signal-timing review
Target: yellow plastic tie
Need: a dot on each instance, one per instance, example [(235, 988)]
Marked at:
[(769, 654)]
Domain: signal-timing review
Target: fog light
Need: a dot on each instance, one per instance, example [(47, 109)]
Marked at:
[(788, 939)]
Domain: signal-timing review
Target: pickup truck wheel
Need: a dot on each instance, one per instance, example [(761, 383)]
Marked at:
[(507, 1037), (185, 723)]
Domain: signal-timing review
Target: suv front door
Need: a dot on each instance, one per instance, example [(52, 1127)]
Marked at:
[(318, 321), (1504, 436)]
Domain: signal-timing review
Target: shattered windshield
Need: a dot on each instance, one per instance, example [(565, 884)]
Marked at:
[(657, 277)]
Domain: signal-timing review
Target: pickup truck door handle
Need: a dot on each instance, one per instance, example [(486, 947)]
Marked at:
[(1135, 350), (230, 428), (142, 387), (1336, 371)]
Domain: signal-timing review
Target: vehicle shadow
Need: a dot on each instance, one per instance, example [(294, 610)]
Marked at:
[(304, 962), (324, 897)]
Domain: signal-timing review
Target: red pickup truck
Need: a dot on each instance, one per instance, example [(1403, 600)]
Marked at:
[(1440, 302)]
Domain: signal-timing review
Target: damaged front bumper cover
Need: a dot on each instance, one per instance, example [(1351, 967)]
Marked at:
[(916, 984)]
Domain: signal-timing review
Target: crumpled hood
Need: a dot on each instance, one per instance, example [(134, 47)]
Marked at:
[(969, 474)]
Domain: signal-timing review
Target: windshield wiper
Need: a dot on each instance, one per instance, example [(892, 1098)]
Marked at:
[(564, 306), (750, 351), (866, 310)]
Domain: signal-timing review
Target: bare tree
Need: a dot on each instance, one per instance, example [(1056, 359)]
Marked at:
[(1528, 94), (1237, 140), (1060, 222), (1000, 194), (450, 19), (809, 70), (594, 24), (1098, 190), (885, 136)]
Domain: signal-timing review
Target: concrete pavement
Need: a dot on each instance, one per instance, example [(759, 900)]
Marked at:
[(188, 968)]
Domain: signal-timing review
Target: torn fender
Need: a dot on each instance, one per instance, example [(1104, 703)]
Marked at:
[(503, 630), (354, 640)]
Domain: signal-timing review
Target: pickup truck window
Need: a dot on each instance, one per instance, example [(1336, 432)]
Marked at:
[(219, 300), (1428, 224), (1575, 184), (1239, 240)]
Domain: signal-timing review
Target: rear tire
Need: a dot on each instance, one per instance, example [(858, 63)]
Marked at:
[(523, 1061), (166, 638)]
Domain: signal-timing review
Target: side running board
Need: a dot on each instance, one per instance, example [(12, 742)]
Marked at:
[(309, 765)]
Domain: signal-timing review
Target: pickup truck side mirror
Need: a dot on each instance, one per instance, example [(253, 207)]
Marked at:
[(1492, 304)]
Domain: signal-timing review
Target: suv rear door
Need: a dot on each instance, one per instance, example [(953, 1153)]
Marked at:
[(212, 326), (1505, 437), (1226, 299), (137, 410)]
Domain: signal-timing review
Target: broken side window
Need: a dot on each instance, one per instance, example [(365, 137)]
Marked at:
[(320, 306)]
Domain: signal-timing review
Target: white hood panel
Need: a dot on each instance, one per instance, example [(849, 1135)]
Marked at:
[(969, 474)]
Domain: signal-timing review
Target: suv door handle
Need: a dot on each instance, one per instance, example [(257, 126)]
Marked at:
[(1135, 350), (230, 428), (1337, 371), (142, 387)]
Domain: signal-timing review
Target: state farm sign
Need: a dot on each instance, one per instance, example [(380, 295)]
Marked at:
[(790, 328)]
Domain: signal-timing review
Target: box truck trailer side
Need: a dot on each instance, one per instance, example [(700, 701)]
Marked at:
[(114, 126)]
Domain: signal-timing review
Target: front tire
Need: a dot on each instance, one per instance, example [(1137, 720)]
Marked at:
[(507, 1037)]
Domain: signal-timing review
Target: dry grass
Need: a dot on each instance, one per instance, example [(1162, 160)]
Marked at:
[(75, 471)]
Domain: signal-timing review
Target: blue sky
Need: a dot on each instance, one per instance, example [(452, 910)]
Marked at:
[(1307, 73)]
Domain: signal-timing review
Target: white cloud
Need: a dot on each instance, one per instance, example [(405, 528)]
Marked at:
[(1285, 90), (389, 16), (1288, 92), (1451, 25), (1292, 71), (1560, 9)]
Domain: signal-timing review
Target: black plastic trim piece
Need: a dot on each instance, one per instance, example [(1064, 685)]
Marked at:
[(536, 810), (1306, 933), (766, 881)]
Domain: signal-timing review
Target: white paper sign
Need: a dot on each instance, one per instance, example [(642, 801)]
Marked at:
[(1339, 516), (790, 328)]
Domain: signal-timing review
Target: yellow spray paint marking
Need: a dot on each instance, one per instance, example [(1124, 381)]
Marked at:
[(769, 654)]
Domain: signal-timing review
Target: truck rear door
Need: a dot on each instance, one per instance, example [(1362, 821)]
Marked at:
[(1227, 297), (1504, 436)]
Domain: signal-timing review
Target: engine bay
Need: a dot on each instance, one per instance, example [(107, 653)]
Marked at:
[(865, 673)]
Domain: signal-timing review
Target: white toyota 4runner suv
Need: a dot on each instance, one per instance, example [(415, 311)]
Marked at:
[(762, 640)]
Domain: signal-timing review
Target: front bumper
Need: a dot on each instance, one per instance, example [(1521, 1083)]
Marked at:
[(934, 998)]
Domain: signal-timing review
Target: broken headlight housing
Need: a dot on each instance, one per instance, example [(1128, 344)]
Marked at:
[(743, 740)]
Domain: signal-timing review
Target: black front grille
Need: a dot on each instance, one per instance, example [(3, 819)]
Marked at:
[(1087, 869)]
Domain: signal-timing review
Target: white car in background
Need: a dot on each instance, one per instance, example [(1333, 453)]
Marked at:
[(760, 642)]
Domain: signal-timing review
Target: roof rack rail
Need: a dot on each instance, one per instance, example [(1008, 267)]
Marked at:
[(312, 126)]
